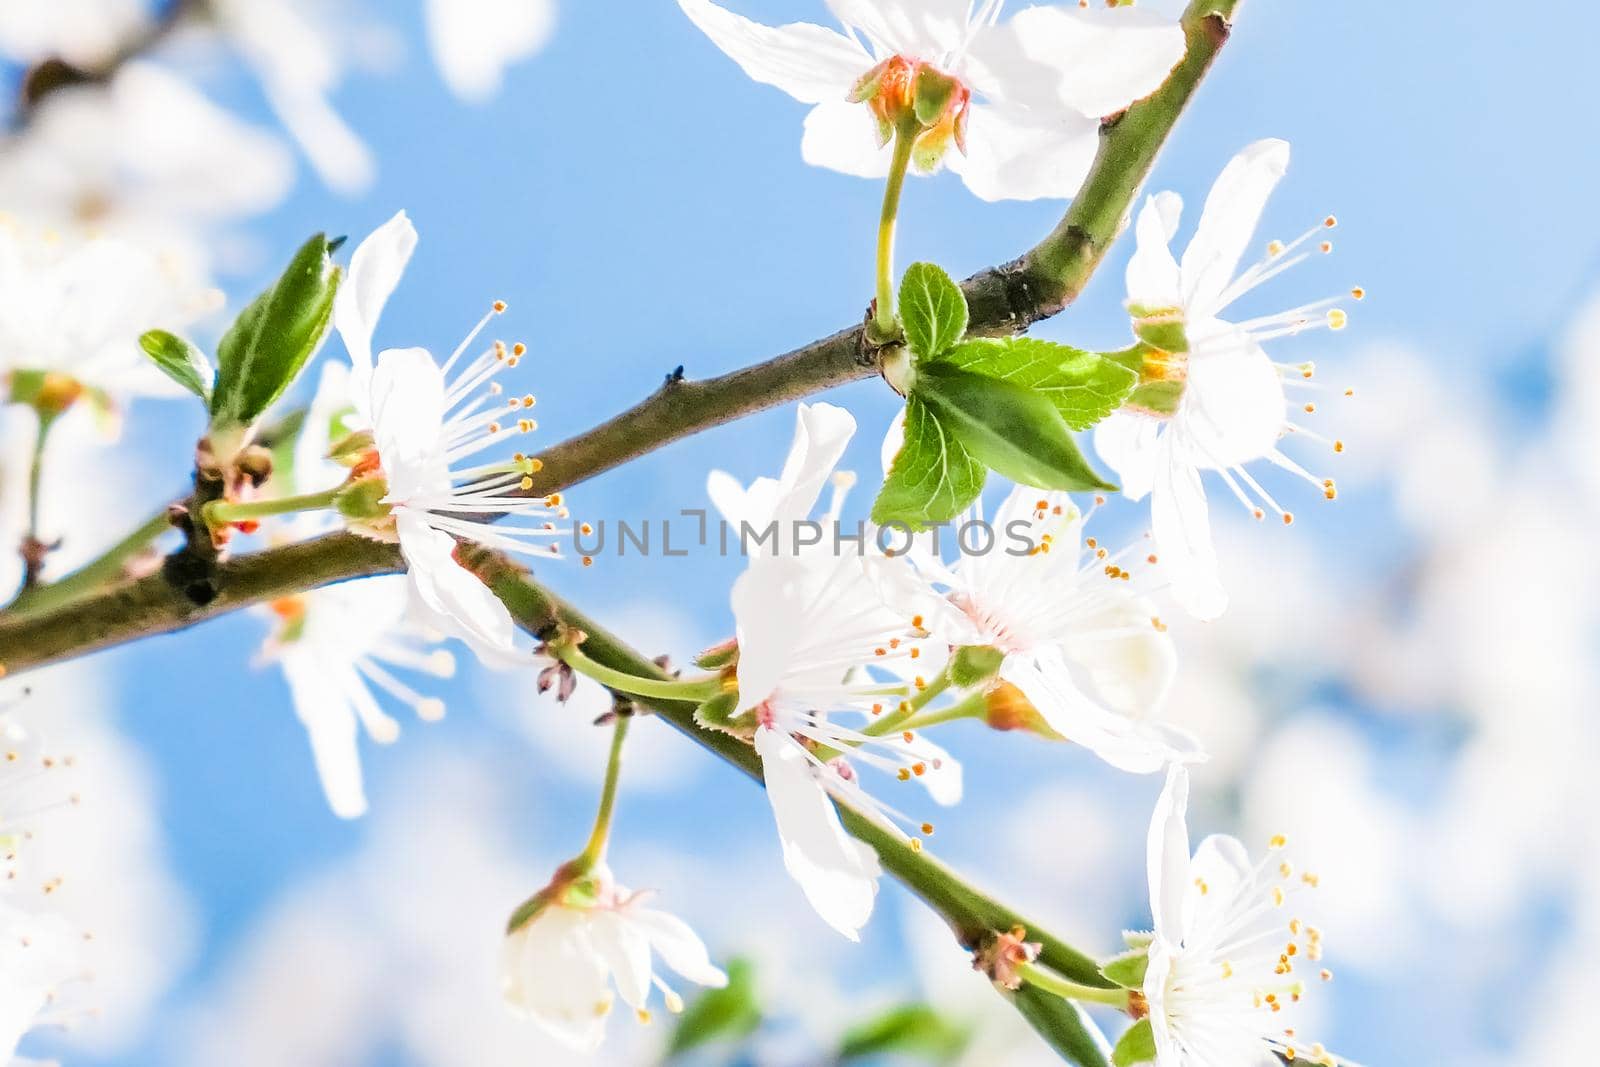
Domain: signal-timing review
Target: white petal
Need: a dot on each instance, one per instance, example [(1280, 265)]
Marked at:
[(1233, 407), (822, 431), (838, 874), (375, 270), (1153, 277), (1221, 863), (893, 440), (1106, 59), (1116, 649), (1228, 221), (473, 41), (1130, 444), (1182, 528), (811, 63), (678, 946), (551, 972), (1014, 153), (331, 725), (762, 599), (407, 407), (843, 136), (919, 29), (626, 952), (1167, 855), (942, 778), (1126, 744), (461, 605)]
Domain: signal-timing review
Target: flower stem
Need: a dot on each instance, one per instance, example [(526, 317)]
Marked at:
[(108, 567), (596, 847), (33, 549), (897, 719), (696, 689), (1051, 982), (970, 707), (222, 512), (885, 321)]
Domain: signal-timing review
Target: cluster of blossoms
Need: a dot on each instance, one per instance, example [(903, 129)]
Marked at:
[(840, 663)]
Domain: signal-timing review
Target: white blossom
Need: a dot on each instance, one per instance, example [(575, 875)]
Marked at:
[(84, 33), (808, 626), (1233, 408), (1230, 961), (1030, 91), (559, 968), (424, 422)]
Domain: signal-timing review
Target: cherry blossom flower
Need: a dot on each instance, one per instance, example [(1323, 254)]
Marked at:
[(559, 967), (339, 644), (1229, 962), (423, 423), (1233, 408), (84, 33), (808, 625), (72, 310), (473, 41), (1083, 645), (1027, 94)]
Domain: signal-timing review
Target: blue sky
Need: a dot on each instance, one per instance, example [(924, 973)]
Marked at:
[(641, 205)]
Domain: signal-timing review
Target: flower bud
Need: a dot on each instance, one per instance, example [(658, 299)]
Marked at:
[(48, 392), (1006, 708)]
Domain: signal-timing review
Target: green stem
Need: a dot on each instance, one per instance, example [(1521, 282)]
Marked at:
[(970, 707), (897, 719), (885, 321), (695, 689), (33, 549), (596, 847), (110, 566), (1051, 982), (222, 512)]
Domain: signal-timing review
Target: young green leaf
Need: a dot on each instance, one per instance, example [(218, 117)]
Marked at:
[(1136, 1045), (180, 361), (1012, 430), (271, 340), (731, 1012), (1127, 970), (1084, 386), (933, 310), (905, 1030), (933, 477)]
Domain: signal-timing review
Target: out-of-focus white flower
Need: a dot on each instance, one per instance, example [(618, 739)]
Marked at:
[(474, 41), (1229, 964), (74, 308), (1027, 94), (424, 423), (1233, 408), (145, 154), (1080, 642), (84, 33), (299, 67), (559, 967), (337, 645), (807, 625)]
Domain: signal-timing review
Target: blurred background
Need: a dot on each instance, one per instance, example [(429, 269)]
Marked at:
[(1404, 684)]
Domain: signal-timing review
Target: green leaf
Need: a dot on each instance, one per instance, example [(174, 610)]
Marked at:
[(1127, 970), (180, 361), (1012, 430), (1084, 386), (933, 310), (271, 340), (717, 712), (933, 477), (905, 1030), (731, 1012), (1136, 1045)]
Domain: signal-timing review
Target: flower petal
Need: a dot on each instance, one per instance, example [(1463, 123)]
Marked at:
[(1228, 221), (407, 407), (822, 431), (1182, 527), (1131, 444), (473, 41), (1234, 407), (838, 874), (678, 946), (375, 270), (811, 63), (332, 728), (1106, 59), (459, 604), (1220, 864), (1167, 856), (843, 136), (626, 952), (1153, 278), (550, 972), (1017, 153)]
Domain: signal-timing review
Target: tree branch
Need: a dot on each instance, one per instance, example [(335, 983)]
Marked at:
[(1002, 299)]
